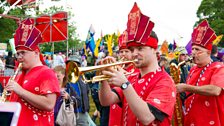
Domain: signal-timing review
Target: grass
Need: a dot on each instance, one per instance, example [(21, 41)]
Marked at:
[(92, 109)]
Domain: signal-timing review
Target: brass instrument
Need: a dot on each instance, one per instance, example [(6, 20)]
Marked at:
[(175, 72), (74, 72), (5, 93)]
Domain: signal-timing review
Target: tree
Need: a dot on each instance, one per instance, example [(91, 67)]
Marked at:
[(213, 11), (7, 25)]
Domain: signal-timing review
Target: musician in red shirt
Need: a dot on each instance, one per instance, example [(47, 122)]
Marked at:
[(36, 88), (205, 83), (148, 97), (124, 54)]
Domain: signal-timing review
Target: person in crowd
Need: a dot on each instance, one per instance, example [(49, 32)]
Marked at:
[(124, 55), (58, 60), (179, 72), (204, 85), (9, 64), (164, 64), (180, 56), (147, 98), (94, 87), (84, 61), (214, 54), (36, 88), (47, 61), (82, 90), (67, 92)]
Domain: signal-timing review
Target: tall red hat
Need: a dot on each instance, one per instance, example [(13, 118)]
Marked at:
[(27, 36), (203, 35), (139, 28), (122, 40)]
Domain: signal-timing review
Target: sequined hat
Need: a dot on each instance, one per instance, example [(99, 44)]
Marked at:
[(203, 35), (139, 28), (27, 36)]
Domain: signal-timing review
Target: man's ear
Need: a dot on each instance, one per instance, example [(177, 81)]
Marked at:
[(209, 52), (37, 52)]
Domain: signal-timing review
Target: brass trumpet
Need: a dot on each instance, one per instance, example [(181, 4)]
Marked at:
[(5, 92), (74, 72)]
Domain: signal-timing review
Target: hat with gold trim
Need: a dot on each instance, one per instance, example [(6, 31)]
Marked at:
[(27, 36), (203, 35), (122, 40), (139, 28)]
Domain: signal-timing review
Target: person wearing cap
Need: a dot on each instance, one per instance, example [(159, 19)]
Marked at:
[(36, 88), (82, 90), (148, 97), (179, 77), (124, 55), (205, 83), (180, 56)]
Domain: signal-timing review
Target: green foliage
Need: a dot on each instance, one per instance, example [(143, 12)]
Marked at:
[(213, 11), (7, 25)]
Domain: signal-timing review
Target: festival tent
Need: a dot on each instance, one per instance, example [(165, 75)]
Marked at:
[(53, 27)]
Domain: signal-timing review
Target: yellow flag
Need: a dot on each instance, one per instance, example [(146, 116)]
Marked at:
[(164, 48), (217, 40), (96, 50), (109, 45)]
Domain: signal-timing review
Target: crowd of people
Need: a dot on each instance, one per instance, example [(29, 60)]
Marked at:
[(140, 92)]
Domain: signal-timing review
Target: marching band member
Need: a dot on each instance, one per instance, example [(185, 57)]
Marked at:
[(36, 88), (205, 83), (147, 98), (125, 55)]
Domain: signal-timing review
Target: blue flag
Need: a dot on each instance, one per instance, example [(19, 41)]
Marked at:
[(90, 43)]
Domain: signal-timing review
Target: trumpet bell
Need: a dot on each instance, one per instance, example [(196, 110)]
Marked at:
[(72, 72)]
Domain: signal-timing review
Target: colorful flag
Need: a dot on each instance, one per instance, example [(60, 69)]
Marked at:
[(188, 47), (109, 44), (174, 45), (96, 50), (217, 40), (164, 48), (90, 43), (170, 47)]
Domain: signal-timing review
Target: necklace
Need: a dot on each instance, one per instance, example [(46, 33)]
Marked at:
[(201, 74)]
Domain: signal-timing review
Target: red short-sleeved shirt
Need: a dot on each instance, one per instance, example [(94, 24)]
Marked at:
[(157, 89), (41, 81), (211, 105), (115, 110)]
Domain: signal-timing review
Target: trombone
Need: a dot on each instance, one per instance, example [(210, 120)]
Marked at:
[(74, 72)]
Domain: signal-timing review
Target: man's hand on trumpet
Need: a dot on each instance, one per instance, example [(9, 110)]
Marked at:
[(117, 77), (116, 73)]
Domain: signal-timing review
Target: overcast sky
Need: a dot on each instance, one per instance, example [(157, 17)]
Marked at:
[(174, 19)]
